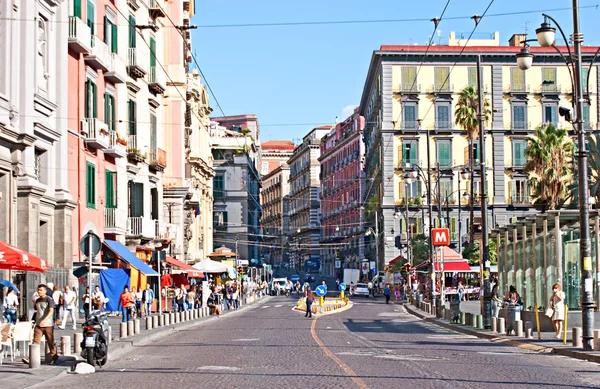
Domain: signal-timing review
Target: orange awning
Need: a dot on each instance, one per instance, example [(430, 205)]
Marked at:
[(191, 272)]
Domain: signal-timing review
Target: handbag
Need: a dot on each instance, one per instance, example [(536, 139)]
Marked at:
[(549, 312)]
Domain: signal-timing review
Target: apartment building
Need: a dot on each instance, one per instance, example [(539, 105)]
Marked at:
[(275, 189), (275, 153), (410, 99), (342, 190)]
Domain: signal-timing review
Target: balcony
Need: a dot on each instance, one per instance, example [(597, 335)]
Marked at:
[(520, 199), (117, 72), (156, 80), (117, 146), (407, 164), (158, 159), (115, 221), (80, 36), (407, 88), (96, 133), (517, 88), (141, 226), (155, 10), (99, 56), (134, 154), (137, 63)]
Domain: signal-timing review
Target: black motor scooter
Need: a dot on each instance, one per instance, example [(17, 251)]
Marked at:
[(94, 346)]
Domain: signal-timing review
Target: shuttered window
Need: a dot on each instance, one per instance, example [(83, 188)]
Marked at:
[(91, 99), (110, 111), (90, 185), (111, 189), (549, 80), (409, 78), (409, 112), (442, 81), (77, 8), (136, 199), (131, 117), (132, 32), (218, 186), (444, 153), (473, 77), (517, 80), (110, 35)]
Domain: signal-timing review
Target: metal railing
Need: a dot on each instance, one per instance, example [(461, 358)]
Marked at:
[(134, 225), (79, 31), (115, 218)]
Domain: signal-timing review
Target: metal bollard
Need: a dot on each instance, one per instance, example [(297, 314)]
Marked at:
[(77, 339), (494, 324), (519, 328), (65, 345), (171, 317), (463, 318), (161, 320), (34, 356), (123, 330), (130, 328), (148, 323), (44, 346), (529, 330), (155, 321), (137, 326), (596, 340), (175, 318), (480, 322), (577, 342), (501, 325), (109, 334)]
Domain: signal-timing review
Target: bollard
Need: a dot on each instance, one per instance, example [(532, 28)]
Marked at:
[(109, 334), (596, 340), (501, 325), (519, 328), (77, 339), (148, 323), (193, 313), (480, 322), (160, 320), (130, 328), (34, 356), (155, 321), (577, 342), (463, 318), (175, 318), (122, 330), (188, 315), (137, 326), (172, 317), (65, 345), (46, 348), (494, 324), (529, 330)]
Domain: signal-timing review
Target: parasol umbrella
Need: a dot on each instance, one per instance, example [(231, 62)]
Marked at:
[(210, 266), (9, 284), (13, 258)]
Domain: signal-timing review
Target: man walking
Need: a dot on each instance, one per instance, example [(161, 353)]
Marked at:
[(44, 323), (387, 293), (69, 298), (309, 300), (147, 299)]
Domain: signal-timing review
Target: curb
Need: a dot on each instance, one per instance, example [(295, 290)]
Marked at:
[(572, 353)]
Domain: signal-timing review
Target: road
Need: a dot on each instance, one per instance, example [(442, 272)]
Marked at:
[(371, 345)]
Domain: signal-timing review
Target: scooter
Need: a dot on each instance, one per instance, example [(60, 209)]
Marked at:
[(94, 346)]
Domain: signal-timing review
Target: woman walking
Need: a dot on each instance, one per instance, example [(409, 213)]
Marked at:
[(309, 300), (557, 303)]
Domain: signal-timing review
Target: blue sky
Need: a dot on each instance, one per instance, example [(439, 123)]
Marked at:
[(294, 77)]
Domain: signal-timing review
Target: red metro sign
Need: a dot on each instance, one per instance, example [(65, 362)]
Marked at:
[(441, 236)]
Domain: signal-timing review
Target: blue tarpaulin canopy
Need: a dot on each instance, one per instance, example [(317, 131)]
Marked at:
[(112, 282), (123, 252)]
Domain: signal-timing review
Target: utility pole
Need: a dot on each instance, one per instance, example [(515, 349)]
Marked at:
[(485, 247), (430, 206), (376, 244)]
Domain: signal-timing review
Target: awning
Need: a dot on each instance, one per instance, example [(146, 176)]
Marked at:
[(454, 266), (396, 260), (191, 271), (449, 254), (12, 258), (123, 252)]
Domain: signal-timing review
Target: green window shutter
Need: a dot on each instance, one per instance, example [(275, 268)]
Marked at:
[(517, 79), (91, 18), (106, 30), (94, 100), (409, 75), (452, 225), (107, 110), (109, 189), (131, 32), (87, 98), (114, 41), (91, 185), (225, 220), (113, 113), (403, 225), (419, 225), (137, 200), (153, 136), (584, 79), (77, 8), (473, 77), (441, 79), (586, 116), (152, 52)]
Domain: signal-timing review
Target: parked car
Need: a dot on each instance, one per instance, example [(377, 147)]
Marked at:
[(361, 290), (279, 285)]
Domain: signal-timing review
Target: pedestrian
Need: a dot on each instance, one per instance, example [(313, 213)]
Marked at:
[(557, 303), (308, 294), (234, 296), (352, 288), (496, 302), (97, 298), (10, 304), (212, 304), (147, 299), (70, 302), (57, 296), (371, 291), (126, 304), (461, 290), (190, 297), (44, 326), (183, 306), (387, 293), (398, 293), (86, 302)]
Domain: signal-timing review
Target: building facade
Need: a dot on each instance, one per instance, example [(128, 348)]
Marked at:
[(404, 110), (275, 153), (275, 187), (36, 204), (342, 189), (236, 188), (304, 202)]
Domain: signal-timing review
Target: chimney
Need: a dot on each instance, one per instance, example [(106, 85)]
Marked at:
[(516, 39)]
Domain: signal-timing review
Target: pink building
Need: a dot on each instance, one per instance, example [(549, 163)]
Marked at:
[(275, 153), (342, 191)]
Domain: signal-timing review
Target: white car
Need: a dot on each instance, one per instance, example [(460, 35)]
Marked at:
[(361, 290), (279, 284)]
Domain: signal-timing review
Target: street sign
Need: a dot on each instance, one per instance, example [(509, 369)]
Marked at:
[(342, 287), (365, 267), (90, 241), (441, 236), (321, 291), (338, 263)]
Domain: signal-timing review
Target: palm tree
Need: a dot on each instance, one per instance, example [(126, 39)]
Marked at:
[(593, 142), (465, 116), (549, 153)]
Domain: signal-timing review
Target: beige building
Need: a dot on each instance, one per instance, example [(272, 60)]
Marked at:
[(275, 218), (409, 97)]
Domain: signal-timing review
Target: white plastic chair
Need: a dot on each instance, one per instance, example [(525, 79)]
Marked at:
[(23, 332), (6, 339)]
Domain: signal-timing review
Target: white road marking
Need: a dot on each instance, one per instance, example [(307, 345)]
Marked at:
[(222, 368), (372, 327), (265, 306), (246, 340), (278, 305), (390, 314)]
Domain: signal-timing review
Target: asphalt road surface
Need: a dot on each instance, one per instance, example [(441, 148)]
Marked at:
[(371, 345)]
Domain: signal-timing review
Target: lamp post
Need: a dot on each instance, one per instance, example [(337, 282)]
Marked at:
[(546, 38), (376, 234)]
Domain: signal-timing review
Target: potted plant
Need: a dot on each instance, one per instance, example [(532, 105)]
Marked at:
[(418, 200)]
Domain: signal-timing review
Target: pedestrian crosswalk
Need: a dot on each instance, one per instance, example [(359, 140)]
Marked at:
[(278, 306)]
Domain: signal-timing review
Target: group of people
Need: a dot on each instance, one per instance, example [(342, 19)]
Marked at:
[(131, 303)]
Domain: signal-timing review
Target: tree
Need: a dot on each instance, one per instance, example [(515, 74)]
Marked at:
[(472, 252), (593, 142), (420, 249), (549, 152)]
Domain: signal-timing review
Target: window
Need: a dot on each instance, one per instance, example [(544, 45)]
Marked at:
[(90, 185), (518, 152), (517, 80), (110, 117), (584, 79), (409, 79), (442, 79), (446, 188), (265, 167), (77, 8), (519, 191), (152, 54), (91, 18), (551, 114), (220, 220), (91, 99), (453, 234), (519, 119), (414, 189), (131, 117), (219, 186), (132, 32), (110, 35), (153, 135), (442, 116), (111, 189), (409, 112), (549, 80), (444, 153), (473, 154), (408, 152), (586, 117), (473, 77), (136, 199)]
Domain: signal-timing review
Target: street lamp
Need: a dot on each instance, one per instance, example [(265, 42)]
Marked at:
[(546, 37)]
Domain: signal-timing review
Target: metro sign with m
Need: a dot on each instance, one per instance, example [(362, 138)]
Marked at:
[(441, 236)]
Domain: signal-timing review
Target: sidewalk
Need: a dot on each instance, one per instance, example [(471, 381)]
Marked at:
[(17, 375), (546, 345)]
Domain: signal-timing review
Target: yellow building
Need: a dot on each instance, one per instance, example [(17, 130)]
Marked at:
[(411, 94)]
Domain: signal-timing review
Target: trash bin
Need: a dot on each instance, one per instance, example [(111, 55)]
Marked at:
[(455, 311), (513, 313)]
